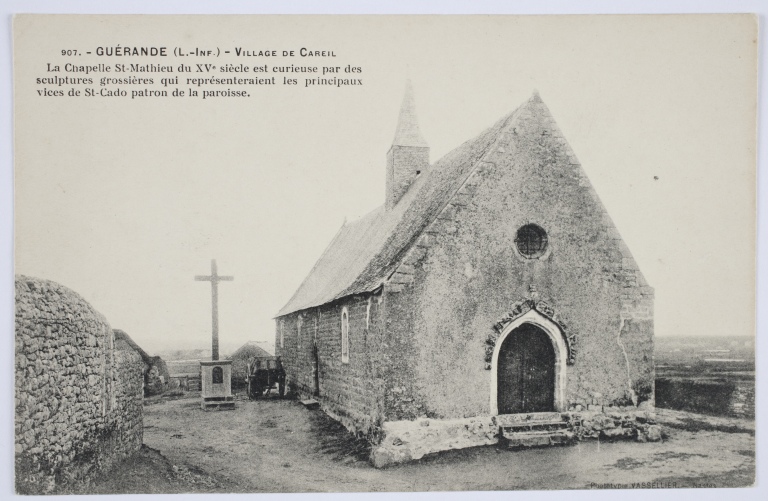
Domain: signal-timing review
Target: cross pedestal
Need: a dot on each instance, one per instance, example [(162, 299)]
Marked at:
[(216, 385)]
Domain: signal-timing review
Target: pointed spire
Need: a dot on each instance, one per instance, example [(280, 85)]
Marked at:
[(408, 133), (408, 156)]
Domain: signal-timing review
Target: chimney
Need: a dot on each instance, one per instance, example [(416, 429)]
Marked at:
[(408, 156)]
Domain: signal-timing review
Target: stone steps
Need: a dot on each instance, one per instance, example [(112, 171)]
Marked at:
[(219, 403), (310, 403), (535, 426), (534, 430), (539, 438)]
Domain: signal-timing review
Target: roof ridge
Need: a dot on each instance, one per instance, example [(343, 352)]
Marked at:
[(314, 266), (623, 247), (362, 255), (121, 334)]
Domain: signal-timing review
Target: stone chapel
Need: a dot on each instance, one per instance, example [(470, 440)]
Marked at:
[(490, 296)]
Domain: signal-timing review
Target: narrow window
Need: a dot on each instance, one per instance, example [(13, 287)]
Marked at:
[(368, 313), (282, 339), (217, 375), (298, 330), (317, 324), (344, 336)]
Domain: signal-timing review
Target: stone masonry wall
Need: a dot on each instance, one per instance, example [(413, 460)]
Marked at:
[(404, 163), (127, 400), (77, 393), (742, 402), (636, 338), (349, 392)]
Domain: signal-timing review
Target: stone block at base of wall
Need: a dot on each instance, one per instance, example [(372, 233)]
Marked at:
[(404, 441), (628, 423), (408, 440)]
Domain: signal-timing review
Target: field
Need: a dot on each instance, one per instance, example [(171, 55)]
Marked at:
[(713, 376)]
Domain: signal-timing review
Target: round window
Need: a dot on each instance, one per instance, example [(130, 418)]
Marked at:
[(531, 241)]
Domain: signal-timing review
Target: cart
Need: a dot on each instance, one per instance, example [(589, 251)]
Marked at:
[(264, 374)]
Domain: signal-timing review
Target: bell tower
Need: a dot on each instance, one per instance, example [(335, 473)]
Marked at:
[(408, 157)]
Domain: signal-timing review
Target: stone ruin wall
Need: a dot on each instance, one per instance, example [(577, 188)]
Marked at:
[(78, 393), (157, 379)]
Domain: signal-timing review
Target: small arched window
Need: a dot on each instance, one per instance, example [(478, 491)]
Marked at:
[(368, 313), (298, 329), (345, 335), (217, 375)]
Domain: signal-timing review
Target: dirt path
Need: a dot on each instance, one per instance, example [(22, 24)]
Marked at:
[(149, 472), (279, 446)]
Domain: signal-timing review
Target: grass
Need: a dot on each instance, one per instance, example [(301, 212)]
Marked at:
[(695, 425)]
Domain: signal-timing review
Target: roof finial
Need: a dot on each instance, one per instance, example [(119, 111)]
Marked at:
[(408, 133)]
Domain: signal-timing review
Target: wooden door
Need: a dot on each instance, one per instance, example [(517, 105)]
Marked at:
[(526, 372)]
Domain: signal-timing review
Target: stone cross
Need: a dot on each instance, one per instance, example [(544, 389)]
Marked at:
[(214, 278)]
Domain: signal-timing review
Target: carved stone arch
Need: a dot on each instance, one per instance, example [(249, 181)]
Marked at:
[(519, 309), (552, 330)]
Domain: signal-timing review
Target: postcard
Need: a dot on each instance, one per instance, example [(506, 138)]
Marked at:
[(290, 254)]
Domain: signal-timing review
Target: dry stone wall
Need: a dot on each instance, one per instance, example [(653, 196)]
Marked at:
[(78, 393), (742, 402), (128, 402), (716, 397)]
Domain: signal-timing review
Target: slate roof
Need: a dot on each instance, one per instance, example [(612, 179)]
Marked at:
[(365, 253)]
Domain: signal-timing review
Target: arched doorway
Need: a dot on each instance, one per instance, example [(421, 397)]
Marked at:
[(536, 340), (526, 372)]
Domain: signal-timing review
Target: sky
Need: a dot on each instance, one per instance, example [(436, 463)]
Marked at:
[(126, 201)]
